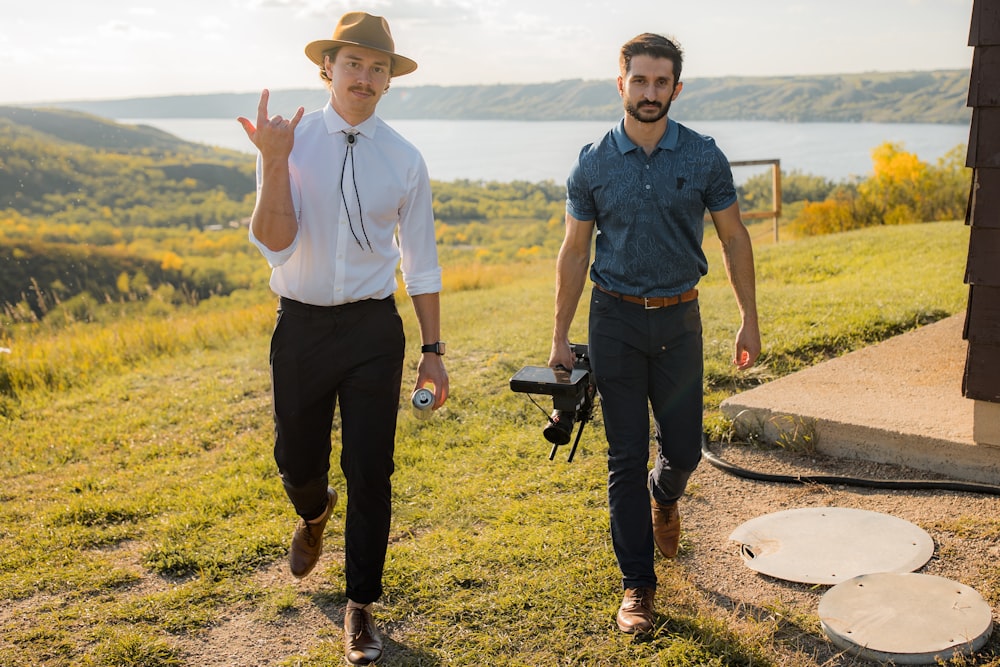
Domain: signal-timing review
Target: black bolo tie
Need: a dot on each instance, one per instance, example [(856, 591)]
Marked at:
[(352, 138)]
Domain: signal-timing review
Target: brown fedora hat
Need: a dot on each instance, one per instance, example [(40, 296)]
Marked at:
[(361, 29)]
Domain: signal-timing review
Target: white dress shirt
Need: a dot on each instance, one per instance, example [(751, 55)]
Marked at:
[(330, 262)]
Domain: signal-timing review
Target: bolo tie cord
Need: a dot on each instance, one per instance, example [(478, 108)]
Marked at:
[(351, 139)]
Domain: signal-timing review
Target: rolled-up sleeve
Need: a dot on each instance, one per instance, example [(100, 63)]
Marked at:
[(417, 242), (276, 257)]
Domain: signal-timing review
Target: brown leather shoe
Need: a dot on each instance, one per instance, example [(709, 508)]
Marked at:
[(666, 527), (307, 542), (636, 613), (362, 643)]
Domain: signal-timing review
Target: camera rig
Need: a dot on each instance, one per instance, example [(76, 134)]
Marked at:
[(573, 392)]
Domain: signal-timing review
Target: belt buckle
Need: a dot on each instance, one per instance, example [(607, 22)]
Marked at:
[(645, 304)]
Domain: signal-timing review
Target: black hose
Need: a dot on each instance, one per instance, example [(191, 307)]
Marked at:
[(910, 484)]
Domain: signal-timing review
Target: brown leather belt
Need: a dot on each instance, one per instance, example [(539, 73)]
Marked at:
[(650, 302)]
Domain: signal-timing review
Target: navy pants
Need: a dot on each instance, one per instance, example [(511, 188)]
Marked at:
[(645, 359), (351, 355)]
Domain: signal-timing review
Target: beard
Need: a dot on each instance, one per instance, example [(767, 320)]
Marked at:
[(637, 111)]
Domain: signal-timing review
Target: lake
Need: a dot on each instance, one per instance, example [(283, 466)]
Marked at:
[(497, 150)]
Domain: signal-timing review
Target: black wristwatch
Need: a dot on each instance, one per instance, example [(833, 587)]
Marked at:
[(437, 348)]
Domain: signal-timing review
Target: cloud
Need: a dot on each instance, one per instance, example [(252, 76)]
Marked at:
[(214, 29), (436, 11), (12, 56), (130, 32), (277, 4), (397, 11), (120, 48)]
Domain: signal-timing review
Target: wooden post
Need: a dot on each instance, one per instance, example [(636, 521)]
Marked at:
[(775, 212), (776, 192)]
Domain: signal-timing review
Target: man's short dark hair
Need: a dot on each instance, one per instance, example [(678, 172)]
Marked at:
[(656, 46)]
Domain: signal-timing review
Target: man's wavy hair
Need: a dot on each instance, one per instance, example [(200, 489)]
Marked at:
[(656, 46), (322, 69)]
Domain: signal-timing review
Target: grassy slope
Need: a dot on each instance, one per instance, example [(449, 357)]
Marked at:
[(137, 507)]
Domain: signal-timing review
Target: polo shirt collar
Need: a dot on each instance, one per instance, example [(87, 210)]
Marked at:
[(334, 123), (667, 142)]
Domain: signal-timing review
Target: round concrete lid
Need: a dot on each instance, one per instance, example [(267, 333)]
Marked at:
[(828, 545), (906, 618)]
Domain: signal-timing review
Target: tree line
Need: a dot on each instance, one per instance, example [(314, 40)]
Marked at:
[(901, 189)]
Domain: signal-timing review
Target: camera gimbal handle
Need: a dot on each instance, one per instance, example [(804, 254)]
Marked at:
[(573, 392)]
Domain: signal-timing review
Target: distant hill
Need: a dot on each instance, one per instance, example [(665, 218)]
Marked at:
[(84, 129), (901, 97), (51, 158), (74, 190)]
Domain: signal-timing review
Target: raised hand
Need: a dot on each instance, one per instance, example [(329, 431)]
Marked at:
[(273, 137)]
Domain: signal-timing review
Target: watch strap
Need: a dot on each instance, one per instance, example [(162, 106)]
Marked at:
[(436, 348)]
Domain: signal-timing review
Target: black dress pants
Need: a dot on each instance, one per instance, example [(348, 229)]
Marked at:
[(351, 356), (646, 360)]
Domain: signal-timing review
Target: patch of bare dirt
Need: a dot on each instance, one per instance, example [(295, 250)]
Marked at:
[(718, 502), (253, 637)]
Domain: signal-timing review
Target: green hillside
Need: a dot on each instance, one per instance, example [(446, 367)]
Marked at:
[(91, 207), (911, 97), (87, 130), (49, 155), (899, 97), (75, 268)]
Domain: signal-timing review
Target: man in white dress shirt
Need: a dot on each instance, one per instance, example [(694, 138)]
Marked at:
[(342, 200)]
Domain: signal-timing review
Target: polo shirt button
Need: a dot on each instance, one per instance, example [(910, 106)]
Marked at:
[(648, 186)]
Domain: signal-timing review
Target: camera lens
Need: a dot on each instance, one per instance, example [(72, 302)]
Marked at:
[(560, 427)]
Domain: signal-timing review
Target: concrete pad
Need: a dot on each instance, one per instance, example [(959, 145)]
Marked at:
[(898, 402)]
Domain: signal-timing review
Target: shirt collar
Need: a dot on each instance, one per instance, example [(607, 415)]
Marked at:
[(667, 142), (334, 123)]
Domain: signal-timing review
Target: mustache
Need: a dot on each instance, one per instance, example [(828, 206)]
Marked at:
[(368, 90), (654, 104)]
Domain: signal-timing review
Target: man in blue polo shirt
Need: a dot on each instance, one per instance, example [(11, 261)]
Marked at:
[(645, 186)]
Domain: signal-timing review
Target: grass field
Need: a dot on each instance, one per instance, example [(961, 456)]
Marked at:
[(139, 495)]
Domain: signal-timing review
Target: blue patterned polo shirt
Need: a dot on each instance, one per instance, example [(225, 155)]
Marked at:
[(649, 209)]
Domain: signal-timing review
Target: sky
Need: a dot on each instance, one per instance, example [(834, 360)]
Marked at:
[(57, 50)]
